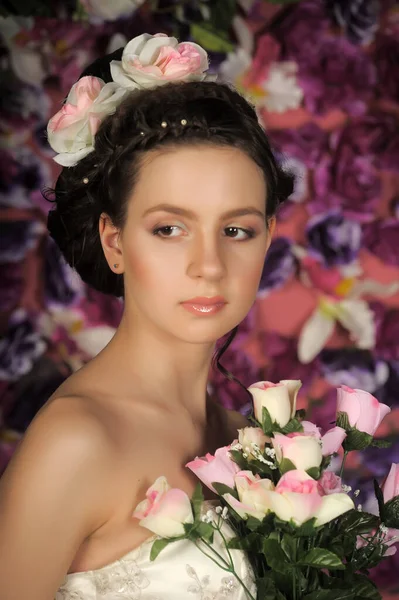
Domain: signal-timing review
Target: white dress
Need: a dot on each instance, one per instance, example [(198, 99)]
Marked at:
[(180, 572)]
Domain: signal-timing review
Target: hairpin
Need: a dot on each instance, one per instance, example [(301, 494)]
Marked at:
[(85, 180), (183, 122), (164, 124)]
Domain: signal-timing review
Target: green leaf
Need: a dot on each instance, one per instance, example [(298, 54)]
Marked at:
[(343, 421), (221, 489), (211, 39), (314, 472), (364, 588), (300, 414), (204, 530), (253, 524), (238, 458), (307, 529), (346, 594), (378, 443), (356, 440), (286, 465), (289, 547), (275, 557), (292, 426), (379, 496), (355, 521), (390, 515), (266, 589), (252, 542), (267, 423), (159, 545), (320, 558), (197, 500)]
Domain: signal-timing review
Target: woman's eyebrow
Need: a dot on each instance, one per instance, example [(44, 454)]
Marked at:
[(177, 210)]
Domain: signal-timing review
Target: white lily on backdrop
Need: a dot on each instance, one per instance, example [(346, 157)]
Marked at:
[(340, 301)]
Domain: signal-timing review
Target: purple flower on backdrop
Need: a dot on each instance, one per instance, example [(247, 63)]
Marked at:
[(307, 143), (354, 368), (386, 58), (20, 347), (61, 284), (357, 18), (375, 133), (12, 285), (323, 410), (336, 74), (282, 356), (279, 267), (301, 28), (333, 238), (18, 238), (32, 391), (21, 105), (389, 393), (378, 462), (387, 328), (229, 393), (22, 174), (348, 182), (381, 237)]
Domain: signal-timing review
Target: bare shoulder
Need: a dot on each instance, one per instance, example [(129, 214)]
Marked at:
[(55, 492)]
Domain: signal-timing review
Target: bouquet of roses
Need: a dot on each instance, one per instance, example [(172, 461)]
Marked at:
[(294, 518)]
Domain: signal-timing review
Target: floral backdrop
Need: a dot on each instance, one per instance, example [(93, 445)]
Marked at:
[(324, 76)]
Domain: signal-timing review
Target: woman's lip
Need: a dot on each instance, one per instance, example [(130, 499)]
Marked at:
[(204, 301)]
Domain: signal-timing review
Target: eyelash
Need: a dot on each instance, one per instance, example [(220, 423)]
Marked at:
[(251, 233)]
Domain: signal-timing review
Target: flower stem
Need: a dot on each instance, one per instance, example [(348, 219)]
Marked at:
[(229, 567), (343, 463)]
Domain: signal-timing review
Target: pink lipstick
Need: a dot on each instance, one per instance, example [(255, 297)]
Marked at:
[(202, 305)]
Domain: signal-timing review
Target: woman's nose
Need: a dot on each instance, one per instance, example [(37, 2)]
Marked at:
[(206, 259)]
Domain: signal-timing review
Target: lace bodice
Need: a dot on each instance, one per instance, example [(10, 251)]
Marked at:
[(180, 572)]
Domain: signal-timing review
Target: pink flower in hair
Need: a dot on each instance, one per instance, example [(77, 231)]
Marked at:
[(152, 60), (72, 129)]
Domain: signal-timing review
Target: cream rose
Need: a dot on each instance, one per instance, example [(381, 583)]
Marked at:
[(278, 398), (152, 60)]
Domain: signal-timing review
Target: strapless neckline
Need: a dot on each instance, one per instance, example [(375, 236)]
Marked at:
[(136, 550)]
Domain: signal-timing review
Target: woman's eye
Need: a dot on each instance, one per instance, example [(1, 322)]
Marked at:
[(248, 233), (165, 231)]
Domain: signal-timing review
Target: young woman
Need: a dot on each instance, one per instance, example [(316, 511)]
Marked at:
[(167, 198)]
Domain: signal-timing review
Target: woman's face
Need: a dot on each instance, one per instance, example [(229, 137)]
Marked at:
[(195, 227)]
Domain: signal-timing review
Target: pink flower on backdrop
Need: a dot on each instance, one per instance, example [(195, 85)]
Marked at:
[(329, 483), (219, 468), (363, 410), (267, 52), (328, 280), (390, 487)]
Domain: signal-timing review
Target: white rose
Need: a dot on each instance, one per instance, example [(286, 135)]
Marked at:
[(278, 398), (109, 11)]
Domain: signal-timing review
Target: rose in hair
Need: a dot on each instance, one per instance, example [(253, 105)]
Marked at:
[(72, 129), (152, 60)]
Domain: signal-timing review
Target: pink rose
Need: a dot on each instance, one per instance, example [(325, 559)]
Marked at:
[(165, 510), (331, 441), (329, 483), (219, 468), (297, 499), (152, 60), (390, 487), (363, 410), (72, 129)]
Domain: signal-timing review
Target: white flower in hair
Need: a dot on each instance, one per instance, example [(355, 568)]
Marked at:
[(72, 129), (152, 60)]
